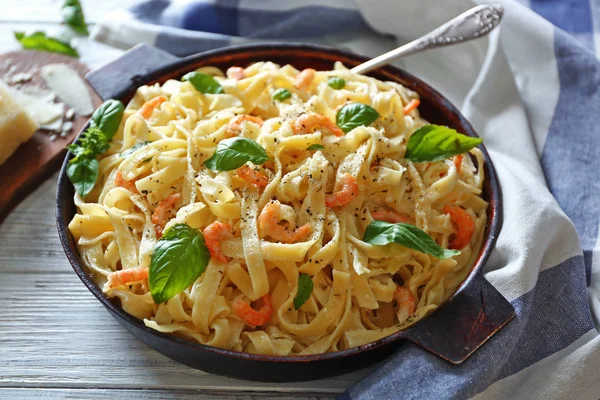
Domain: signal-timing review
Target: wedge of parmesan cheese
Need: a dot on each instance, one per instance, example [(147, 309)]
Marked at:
[(16, 126)]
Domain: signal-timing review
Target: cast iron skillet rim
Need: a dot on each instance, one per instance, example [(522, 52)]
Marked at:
[(72, 255)]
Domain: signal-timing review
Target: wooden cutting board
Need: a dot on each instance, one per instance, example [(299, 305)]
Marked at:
[(39, 157)]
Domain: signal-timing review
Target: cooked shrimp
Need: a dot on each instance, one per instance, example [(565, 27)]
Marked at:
[(252, 176), (458, 162), (304, 78), (159, 216), (464, 223), (345, 195), (413, 104), (236, 73), (235, 124), (390, 216), (213, 235), (405, 302), (251, 316), (121, 182), (127, 276), (308, 122), (269, 220), (148, 108)]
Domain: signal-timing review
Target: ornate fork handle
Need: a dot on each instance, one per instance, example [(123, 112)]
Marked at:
[(472, 24)]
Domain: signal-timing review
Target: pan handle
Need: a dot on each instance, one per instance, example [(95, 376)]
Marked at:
[(126, 73), (462, 325)]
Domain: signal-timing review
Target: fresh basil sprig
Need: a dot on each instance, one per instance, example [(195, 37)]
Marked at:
[(108, 117), (336, 83), (179, 258), (73, 16), (281, 94), (353, 115), (41, 42), (203, 83), (234, 152), (381, 233), (315, 146), (134, 148), (82, 169), (435, 142), (305, 288), (92, 142)]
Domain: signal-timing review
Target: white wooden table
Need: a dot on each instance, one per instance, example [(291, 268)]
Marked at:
[(56, 339)]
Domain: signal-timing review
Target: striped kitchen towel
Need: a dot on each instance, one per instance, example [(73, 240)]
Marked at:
[(531, 90)]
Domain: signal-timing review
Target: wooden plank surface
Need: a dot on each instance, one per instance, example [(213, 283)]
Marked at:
[(56, 339)]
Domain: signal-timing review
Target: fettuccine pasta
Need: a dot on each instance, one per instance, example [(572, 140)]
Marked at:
[(272, 227)]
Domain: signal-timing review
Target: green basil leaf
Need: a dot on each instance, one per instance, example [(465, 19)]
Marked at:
[(82, 169), (79, 152), (94, 140), (336, 83), (134, 148), (281, 94), (353, 115), (91, 143), (381, 233), (83, 174), (203, 83), (305, 288), (73, 16), (315, 146), (108, 116), (234, 152), (435, 142), (179, 258), (39, 41)]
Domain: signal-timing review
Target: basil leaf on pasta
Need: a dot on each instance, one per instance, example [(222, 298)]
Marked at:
[(353, 115), (91, 143), (134, 148), (203, 83), (336, 83), (435, 142), (315, 146), (305, 288), (73, 16), (281, 94), (234, 152), (82, 169), (108, 117), (41, 42), (179, 258), (381, 233), (83, 174)]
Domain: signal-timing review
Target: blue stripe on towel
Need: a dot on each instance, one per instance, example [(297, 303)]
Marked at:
[(301, 22), (226, 18), (549, 318), (221, 17), (204, 16), (571, 157), (570, 15), (150, 11)]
